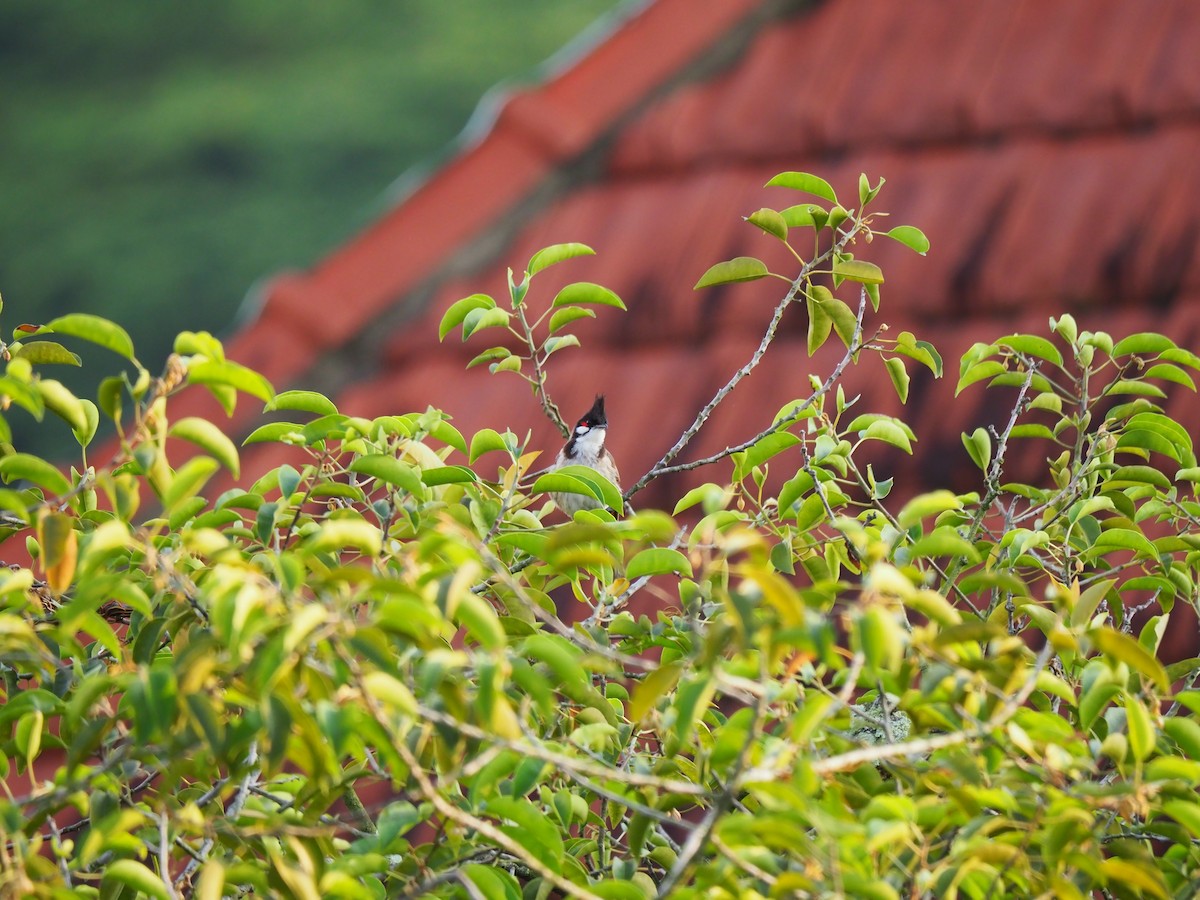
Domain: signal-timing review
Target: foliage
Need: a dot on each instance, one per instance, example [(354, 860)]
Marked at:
[(839, 694)]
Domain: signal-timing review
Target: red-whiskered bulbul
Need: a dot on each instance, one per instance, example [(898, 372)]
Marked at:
[(586, 448)]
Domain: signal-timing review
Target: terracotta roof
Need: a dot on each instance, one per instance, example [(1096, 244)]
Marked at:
[(1048, 150)]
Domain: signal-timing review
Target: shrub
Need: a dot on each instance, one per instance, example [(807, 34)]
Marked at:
[(957, 695)]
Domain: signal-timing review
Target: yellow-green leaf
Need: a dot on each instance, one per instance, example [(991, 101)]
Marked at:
[(47, 353), (305, 401), (556, 253), (770, 221), (742, 268), (231, 375), (459, 309), (17, 466), (658, 561), (94, 329), (207, 436), (586, 293), (803, 181)]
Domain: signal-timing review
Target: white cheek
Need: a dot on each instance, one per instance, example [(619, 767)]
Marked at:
[(591, 440), (581, 429)]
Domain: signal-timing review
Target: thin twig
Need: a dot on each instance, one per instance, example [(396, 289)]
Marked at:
[(794, 291)]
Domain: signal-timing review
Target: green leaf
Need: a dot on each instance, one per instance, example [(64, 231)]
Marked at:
[(765, 448), (92, 415), (857, 270), (658, 561), (480, 319), (925, 505), (586, 293), (978, 372), (804, 215), (1142, 343), (803, 181), (1125, 649), (910, 237), (770, 221), (335, 534), (556, 343), (62, 403), (274, 431), (23, 466), (448, 475), (556, 253), (820, 323), (1032, 345), (458, 311), (492, 353), (188, 479), (526, 824), (1139, 727), (945, 541), (1132, 475), (889, 433), (1171, 373), (979, 447), (485, 441), (94, 329), (47, 353), (208, 436), (231, 374), (491, 884), (580, 480), (742, 268), (387, 468), (23, 394), (658, 681), (133, 874), (1150, 441), (508, 364), (305, 401), (568, 314), (899, 376), (1123, 539), (845, 322)]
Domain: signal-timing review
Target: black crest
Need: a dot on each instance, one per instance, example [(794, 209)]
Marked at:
[(595, 416)]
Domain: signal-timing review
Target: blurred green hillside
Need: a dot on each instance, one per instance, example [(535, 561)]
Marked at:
[(159, 158)]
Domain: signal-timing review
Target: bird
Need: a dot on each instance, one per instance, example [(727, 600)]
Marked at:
[(586, 447)]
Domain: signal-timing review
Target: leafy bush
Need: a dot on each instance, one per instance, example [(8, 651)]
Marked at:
[(839, 695)]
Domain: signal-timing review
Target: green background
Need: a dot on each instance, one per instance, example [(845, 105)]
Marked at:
[(160, 158)]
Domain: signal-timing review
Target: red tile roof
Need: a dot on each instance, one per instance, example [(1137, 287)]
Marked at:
[(1049, 151)]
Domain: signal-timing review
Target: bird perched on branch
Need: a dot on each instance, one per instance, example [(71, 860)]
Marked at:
[(586, 448)]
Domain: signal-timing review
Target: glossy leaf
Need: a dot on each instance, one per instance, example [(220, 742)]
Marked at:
[(209, 437), (803, 181), (567, 314), (742, 268), (586, 293), (484, 318), (47, 353), (454, 316), (549, 256), (305, 401), (658, 561), (857, 270), (22, 466), (910, 237), (770, 221), (899, 376), (979, 447), (230, 374), (95, 329)]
